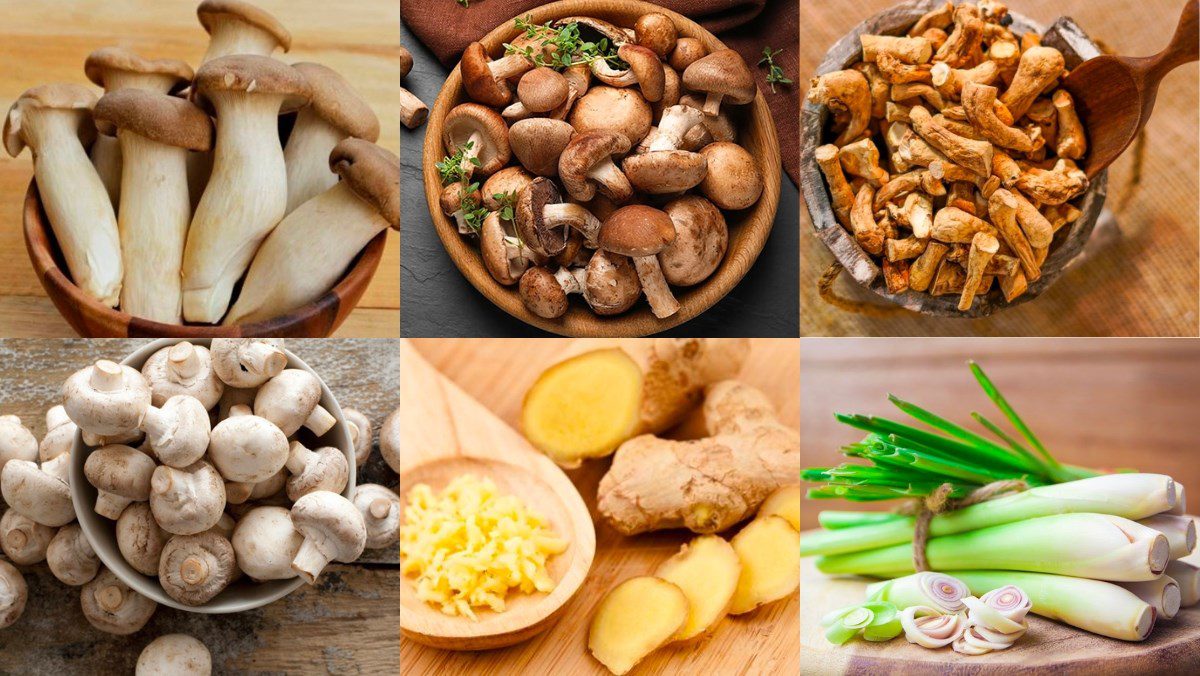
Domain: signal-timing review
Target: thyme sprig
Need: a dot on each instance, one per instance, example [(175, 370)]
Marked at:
[(453, 169), (775, 74), (561, 48)]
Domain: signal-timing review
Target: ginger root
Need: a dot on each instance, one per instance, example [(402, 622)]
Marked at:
[(707, 571), (610, 390), (705, 485), (784, 502), (769, 549), (633, 619)]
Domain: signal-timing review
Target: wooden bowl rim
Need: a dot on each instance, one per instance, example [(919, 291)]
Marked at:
[(59, 287), (579, 320)]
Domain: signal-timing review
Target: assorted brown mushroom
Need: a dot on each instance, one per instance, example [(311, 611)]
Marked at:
[(605, 172), (954, 159), (174, 185)]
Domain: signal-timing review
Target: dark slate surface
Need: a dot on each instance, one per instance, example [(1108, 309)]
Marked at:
[(438, 301)]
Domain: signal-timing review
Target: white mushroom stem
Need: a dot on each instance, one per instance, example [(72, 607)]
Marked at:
[(246, 197), (611, 76), (676, 122), (712, 104), (654, 285), (606, 173), (571, 280), (299, 456), (413, 111), (575, 216), (307, 157), (230, 36), (311, 559), (471, 150), (154, 216), (76, 202), (183, 362), (106, 158), (304, 257), (509, 66)]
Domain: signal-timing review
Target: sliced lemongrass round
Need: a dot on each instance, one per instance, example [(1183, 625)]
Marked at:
[(930, 628)]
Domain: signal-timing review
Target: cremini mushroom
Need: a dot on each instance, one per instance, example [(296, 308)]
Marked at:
[(246, 196), (323, 469), (193, 569), (657, 33), (665, 172), (586, 166), (120, 475), (55, 121), (673, 127), (13, 594), (140, 539), (23, 540), (60, 435), (541, 90), (335, 113), (106, 398), (482, 136), (389, 440), (486, 80), (293, 399), (247, 448), (542, 218), (611, 283), (71, 557), (614, 110), (724, 77), (544, 293), (174, 655), (365, 202), (333, 530), (701, 238), (380, 509), (644, 69), (413, 111), (183, 368), (265, 543), (179, 431), (505, 258), (237, 27), (641, 232), (16, 441), (112, 607), (40, 493), (243, 363), (502, 187), (538, 143), (687, 51), (189, 500), (361, 434), (733, 180), (454, 201)]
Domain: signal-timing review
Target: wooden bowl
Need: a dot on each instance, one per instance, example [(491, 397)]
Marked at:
[(1068, 242), (92, 319), (748, 229)]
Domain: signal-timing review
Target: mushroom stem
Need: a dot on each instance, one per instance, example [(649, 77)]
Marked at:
[(607, 174), (320, 421), (298, 457), (110, 505), (106, 157), (413, 110), (307, 157), (471, 151), (184, 362), (232, 36), (310, 560), (380, 508), (107, 376), (654, 285), (575, 216), (712, 104), (612, 77), (193, 570), (257, 357), (509, 66)]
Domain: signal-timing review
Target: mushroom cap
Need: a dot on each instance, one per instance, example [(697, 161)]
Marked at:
[(36, 493), (701, 238), (733, 180), (265, 543), (657, 33), (452, 197), (389, 440), (288, 399), (162, 118), (672, 90), (112, 607), (637, 230), (23, 540), (477, 78), (612, 283), (13, 594), (507, 181), (58, 440), (380, 508), (117, 409), (71, 558), (247, 362), (362, 434), (467, 119), (530, 222), (584, 152), (174, 655), (612, 109), (542, 294), (542, 89), (373, 173), (647, 68), (332, 523), (250, 73), (54, 97), (121, 470), (494, 250), (211, 11), (325, 470), (195, 568), (665, 171), (615, 35), (140, 538), (16, 441), (687, 51), (538, 142), (336, 102), (189, 500), (247, 448), (101, 62), (723, 72), (183, 368)]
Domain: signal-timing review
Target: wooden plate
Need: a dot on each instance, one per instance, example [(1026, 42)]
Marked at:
[(748, 229)]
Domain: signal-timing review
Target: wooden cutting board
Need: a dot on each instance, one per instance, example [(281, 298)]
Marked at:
[(1048, 647), (767, 641)]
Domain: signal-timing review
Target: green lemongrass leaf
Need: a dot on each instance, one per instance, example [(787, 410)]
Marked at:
[(989, 388), (836, 519), (952, 447), (1017, 446), (935, 465), (940, 423)]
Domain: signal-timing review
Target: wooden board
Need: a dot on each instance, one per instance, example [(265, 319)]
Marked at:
[(346, 624), (1048, 647), (497, 373), (42, 42)]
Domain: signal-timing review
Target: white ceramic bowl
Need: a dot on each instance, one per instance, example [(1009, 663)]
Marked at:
[(101, 532)]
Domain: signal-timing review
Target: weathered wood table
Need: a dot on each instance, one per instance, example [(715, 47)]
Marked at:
[(347, 624)]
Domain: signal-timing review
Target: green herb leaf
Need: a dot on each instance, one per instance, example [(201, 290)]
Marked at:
[(775, 74)]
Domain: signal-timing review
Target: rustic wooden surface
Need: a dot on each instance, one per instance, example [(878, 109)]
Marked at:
[(47, 42), (1048, 647), (766, 641), (346, 624), (1146, 282)]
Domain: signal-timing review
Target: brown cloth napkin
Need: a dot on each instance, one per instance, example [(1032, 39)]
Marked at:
[(446, 28)]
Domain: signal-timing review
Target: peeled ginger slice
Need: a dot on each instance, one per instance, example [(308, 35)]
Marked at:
[(633, 619), (785, 502), (770, 552), (707, 571)]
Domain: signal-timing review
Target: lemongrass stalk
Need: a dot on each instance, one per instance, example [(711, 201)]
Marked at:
[(1133, 496), (1187, 576), (834, 519), (1092, 605), (1097, 546), (935, 590), (1180, 532), (1163, 594), (1194, 557), (1180, 507)]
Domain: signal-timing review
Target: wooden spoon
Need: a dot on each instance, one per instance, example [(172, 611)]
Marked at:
[(1115, 94), (444, 434)]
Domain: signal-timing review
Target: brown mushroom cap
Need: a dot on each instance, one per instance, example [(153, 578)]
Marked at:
[(612, 283), (542, 89), (665, 171), (211, 11), (164, 119), (52, 96), (478, 80), (580, 158), (101, 65), (646, 68), (672, 90), (701, 239), (336, 102), (733, 180), (687, 51), (372, 172), (538, 142), (452, 197), (531, 202), (254, 74), (494, 250), (467, 119), (508, 181), (722, 73), (637, 230), (657, 33), (617, 110), (542, 294)]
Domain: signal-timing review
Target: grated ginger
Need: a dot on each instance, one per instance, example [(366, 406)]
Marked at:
[(468, 546)]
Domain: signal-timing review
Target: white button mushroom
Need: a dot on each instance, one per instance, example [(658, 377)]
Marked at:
[(265, 543), (247, 448), (380, 508), (291, 400), (140, 538), (130, 438), (13, 594), (174, 655), (183, 368), (237, 27), (361, 434), (16, 441), (324, 469), (244, 363), (60, 435), (23, 540), (112, 607), (195, 568), (37, 492), (333, 529), (71, 557), (189, 500), (179, 431), (106, 398), (389, 440), (121, 475)]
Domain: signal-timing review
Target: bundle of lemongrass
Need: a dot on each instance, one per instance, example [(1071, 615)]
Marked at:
[(1108, 553)]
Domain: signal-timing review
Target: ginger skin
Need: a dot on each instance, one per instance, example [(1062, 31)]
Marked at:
[(705, 485)]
